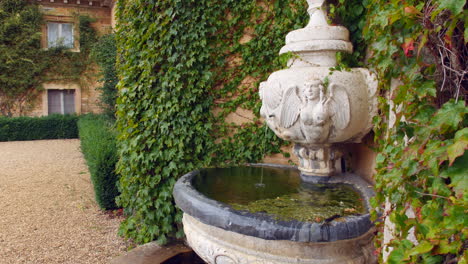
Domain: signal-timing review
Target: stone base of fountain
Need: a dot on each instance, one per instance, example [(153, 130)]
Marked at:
[(218, 246)]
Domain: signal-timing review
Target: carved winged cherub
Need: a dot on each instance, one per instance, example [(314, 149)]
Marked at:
[(317, 110)]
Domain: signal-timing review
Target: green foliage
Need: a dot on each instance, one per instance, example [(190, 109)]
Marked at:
[(25, 65), (99, 147), (88, 37), (34, 128), (352, 14), (20, 61), (105, 55), (180, 61), (422, 164)]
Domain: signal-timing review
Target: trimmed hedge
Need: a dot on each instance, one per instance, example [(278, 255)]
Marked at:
[(34, 128), (98, 144)]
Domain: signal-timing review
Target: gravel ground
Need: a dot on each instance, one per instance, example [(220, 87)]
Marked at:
[(48, 213)]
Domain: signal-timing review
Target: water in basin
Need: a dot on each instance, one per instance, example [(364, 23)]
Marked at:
[(278, 192)]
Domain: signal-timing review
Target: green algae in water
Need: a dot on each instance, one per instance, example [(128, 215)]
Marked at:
[(278, 192), (309, 205)]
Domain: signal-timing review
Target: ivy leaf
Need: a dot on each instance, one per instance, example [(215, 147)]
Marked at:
[(446, 247), (455, 6), (457, 174), (439, 187), (459, 146), (358, 9), (449, 116), (427, 88), (456, 218), (422, 248), (398, 254)]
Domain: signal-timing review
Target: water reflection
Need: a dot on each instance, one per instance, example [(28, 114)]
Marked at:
[(242, 185)]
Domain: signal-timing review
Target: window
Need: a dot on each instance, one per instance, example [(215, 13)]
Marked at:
[(61, 101), (60, 35)]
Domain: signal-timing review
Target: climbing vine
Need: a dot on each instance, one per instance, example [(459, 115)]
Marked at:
[(185, 67), (418, 49), (25, 65), (105, 55), (19, 61)]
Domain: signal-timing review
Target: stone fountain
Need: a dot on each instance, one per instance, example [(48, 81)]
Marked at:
[(318, 109)]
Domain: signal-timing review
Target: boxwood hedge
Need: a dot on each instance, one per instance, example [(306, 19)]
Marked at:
[(98, 145), (34, 128)]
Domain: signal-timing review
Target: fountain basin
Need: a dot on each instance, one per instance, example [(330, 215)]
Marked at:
[(221, 234)]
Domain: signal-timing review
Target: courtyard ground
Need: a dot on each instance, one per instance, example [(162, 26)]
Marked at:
[(48, 213)]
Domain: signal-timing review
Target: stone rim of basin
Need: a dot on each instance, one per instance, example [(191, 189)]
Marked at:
[(221, 215)]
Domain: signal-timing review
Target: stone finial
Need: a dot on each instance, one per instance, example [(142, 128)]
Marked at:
[(318, 42), (316, 13)]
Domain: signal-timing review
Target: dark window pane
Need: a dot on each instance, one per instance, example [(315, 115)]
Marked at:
[(54, 101), (69, 101), (61, 101)]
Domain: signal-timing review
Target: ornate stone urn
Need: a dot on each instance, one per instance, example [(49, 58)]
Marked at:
[(315, 107)]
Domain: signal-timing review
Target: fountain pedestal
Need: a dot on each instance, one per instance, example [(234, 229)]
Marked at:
[(316, 160)]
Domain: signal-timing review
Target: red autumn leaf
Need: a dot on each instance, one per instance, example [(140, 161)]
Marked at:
[(408, 46)]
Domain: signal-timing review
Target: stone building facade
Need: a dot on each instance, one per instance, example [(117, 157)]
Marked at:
[(61, 27)]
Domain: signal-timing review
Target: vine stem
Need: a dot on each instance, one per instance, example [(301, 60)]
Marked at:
[(433, 195)]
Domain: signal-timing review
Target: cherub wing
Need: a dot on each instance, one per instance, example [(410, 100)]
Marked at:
[(291, 107), (339, 106)]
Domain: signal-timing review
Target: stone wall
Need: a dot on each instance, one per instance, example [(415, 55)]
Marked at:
[(86, 92)]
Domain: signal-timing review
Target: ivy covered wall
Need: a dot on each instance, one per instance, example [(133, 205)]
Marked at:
[(179, 61), (26, 66), (19, 58), (185, 66)]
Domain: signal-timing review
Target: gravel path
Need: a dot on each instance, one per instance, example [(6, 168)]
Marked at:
[(48, 214)]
